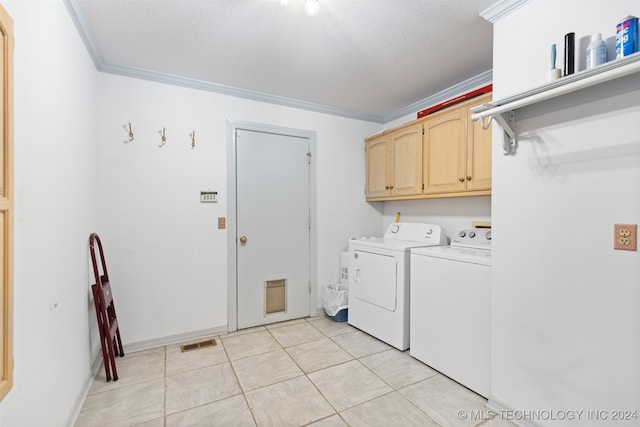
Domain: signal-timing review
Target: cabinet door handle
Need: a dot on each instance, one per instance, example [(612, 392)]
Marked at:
[(468, 178), (461, 179), (391, 188), (387, 187)]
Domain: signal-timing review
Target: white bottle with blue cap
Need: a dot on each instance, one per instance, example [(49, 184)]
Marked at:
[(596, 51)]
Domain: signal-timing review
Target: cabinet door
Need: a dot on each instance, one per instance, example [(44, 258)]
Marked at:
[(407, 161), (6, 202), (445, 146), (378, 163), (478, 154)]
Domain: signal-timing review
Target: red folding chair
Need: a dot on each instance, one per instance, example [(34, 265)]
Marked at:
[(105, 312)]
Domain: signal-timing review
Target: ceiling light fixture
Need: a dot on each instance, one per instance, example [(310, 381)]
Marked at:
[(311, 7)]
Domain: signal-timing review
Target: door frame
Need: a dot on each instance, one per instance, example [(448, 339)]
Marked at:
[(232, 260)]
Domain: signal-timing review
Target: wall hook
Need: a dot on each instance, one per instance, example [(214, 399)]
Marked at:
[(130, 133), (193, 139), (164, 138)]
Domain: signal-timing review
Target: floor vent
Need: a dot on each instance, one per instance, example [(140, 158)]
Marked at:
[(197, 345)]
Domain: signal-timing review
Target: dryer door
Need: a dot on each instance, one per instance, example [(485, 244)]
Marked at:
[(375, 279)]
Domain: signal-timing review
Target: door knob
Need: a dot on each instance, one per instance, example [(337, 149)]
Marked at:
[(243, 239), (461, 179)]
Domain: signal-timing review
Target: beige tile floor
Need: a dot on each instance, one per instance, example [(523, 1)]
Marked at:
[(306, 372)]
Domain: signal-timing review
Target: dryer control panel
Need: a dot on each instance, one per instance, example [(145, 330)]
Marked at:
[(429, 234)]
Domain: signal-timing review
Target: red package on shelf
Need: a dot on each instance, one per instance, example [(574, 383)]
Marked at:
[(456, 100)]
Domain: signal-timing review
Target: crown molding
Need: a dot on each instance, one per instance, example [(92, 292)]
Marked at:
[(79, 19), (501, 9), (236, 92), (475, 82)]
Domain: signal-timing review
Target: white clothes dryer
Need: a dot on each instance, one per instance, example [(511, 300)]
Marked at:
[(379, 280), (451, 308)]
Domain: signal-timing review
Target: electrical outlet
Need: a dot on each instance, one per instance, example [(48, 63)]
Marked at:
[(625, 237), (222, 223)]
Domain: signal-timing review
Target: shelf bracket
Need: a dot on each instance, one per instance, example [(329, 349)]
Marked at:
[(508, 123), (503, 111), (505, 118)]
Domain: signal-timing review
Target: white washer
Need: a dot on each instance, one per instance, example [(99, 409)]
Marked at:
[(379, 280), (451, 308)]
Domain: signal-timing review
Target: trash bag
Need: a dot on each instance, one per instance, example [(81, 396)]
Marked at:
[(335, 298)]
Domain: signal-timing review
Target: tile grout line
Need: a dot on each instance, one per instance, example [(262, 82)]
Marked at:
[(393, 389), (316, 387), (357, 359), (235, 374), (306, 375), (336, 412), (291, 338)]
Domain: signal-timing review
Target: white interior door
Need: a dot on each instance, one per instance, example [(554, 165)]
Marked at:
[(272, 227)]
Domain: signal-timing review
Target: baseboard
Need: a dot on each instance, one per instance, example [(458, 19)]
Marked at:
[(174, 339), (504, 411), (93, 371)]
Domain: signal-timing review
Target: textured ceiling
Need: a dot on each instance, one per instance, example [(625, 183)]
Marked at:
[(364, 58)]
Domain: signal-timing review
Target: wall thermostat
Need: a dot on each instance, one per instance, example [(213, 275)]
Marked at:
[(208, 197)]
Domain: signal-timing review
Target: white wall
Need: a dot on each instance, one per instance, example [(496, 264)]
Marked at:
[(452, 214), (166, 256), (565, 318), (56, 210), (75, 175)]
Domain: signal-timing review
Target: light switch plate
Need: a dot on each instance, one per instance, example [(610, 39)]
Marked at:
[(222, 223)]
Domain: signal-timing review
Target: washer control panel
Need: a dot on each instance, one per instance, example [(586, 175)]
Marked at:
[(479, 238)]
